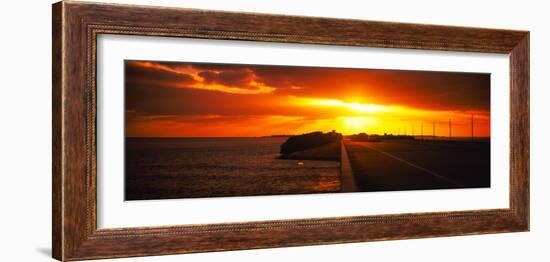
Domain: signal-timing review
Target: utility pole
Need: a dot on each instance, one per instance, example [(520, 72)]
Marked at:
[(433, 134), (472, 124), (412, 130), (450, 137), (421, 130)]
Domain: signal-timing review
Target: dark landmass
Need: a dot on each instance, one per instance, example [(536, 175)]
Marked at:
[(308, 141), (281, 135)]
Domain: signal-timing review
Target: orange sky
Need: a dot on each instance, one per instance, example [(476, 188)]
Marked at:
[(167, 99)]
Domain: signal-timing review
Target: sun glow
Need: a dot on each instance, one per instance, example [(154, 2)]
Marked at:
[(367, 108), (351, 117), (352, 125)]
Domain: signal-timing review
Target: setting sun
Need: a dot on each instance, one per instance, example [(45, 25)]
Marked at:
[(353, 125)]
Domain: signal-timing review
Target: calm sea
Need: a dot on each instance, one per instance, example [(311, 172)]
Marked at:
[(159, 168)]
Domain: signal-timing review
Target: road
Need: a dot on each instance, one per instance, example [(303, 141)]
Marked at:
[(415, 165), (348, 182)]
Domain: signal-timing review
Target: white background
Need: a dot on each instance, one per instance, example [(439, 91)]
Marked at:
[(114, 212), (25, 146)]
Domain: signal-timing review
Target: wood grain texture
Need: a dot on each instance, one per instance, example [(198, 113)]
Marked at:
[(519, 129), (76, 26), (57, 215)]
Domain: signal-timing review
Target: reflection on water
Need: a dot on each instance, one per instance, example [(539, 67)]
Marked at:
[(205, 167)]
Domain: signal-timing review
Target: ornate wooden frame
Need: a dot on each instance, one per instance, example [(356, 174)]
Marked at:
[(76, 26)]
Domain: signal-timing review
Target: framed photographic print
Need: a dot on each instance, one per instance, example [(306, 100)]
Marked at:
[(181, 130)]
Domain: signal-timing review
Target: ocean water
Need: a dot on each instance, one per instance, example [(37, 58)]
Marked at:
[(161, 168)]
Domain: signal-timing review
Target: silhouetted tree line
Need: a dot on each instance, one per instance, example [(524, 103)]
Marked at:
[(309, 140), (378, 138)]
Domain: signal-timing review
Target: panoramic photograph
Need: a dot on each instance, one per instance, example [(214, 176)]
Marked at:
[(196, 130)]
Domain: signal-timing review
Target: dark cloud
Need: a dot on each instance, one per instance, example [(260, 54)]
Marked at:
[(423, 89), (155, 100), (154, 90), (213, 66), (234, 78), (139, 75)]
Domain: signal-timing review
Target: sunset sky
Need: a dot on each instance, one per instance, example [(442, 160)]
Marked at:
[(166, 99)]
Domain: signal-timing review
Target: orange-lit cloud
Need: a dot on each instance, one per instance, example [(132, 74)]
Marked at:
[(198, 99), (230, 81)]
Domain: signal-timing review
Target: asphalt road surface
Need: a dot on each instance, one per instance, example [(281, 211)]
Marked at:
[(416, 165)]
